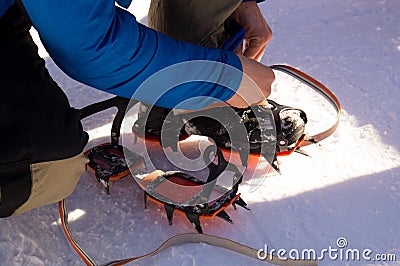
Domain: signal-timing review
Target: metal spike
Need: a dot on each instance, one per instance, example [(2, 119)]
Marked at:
[(312, 141), (276, 166), (274, 162), (241, 203), (225, 216), (170, 212), (195, 220), (105, 183), (301, 151)]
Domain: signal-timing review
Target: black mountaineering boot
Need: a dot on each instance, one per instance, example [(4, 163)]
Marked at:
[(262, 129)]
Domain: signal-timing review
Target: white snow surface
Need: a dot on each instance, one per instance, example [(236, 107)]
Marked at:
[(349, 187)]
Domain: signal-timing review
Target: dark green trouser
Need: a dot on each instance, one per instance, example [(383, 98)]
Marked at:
[(203, 22), (41, 137)]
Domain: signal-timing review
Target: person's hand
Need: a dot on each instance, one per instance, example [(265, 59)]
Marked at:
[(258, 33)]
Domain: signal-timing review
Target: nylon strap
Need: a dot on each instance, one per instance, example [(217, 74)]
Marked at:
[(320, 88), (62, 210), (179, 240)]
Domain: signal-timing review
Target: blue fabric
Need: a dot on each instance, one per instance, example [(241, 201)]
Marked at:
[(233, 43), (124, 3), (103, 46), (5, 5)]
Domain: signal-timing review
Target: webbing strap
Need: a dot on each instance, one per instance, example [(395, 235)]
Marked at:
[(179, 240), (320, 88), (62, 210)]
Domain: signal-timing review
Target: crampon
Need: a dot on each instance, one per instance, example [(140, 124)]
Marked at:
[(269, 130), (188, 195)]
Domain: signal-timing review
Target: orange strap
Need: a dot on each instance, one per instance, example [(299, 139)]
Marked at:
[(179, 240), (62, 210), (320, 88)]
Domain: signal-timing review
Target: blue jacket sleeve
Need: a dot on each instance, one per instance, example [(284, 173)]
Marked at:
[(103, 46)]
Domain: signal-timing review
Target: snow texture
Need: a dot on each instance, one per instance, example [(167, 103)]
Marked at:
[(350, 187)]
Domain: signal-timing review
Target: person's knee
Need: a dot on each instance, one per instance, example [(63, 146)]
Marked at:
[(27, 186), (53, 181), (42, 158)]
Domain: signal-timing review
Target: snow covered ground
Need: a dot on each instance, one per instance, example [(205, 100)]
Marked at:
[(349, 189)]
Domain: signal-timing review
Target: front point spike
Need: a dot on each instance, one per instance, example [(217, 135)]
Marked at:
[(301, 151), (274, 162)]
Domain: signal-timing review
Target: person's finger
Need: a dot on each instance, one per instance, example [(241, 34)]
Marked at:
[(254, 49), (261, 53), (239, 49)]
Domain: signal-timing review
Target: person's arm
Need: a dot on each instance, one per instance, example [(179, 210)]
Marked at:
[(258, 33), (104, 46)]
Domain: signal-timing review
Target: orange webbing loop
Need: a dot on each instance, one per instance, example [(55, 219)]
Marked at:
[(62, 210), (179, 240), (320, 88)]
